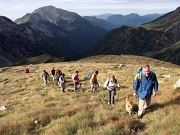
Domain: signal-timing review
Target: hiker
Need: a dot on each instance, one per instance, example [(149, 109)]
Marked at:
[(111, 84), (58, 74), (76, 81), (94, 82), (143, 88), (52, 72), (45, 76), (62, 83), (26, 70)]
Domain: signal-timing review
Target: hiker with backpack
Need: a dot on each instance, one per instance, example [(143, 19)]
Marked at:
[(45, 76), (111, 84), (94, 82), (58, 74), (52, 72), (75, 78), (62, 83), (145, 82)]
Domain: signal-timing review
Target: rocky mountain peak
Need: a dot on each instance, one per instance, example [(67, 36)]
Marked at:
[(53, 14), (132, 15)]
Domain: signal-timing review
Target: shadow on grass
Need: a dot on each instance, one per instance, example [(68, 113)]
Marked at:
[(124, 87), (155, 106)]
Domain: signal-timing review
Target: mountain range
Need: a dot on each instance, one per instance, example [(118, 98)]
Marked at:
[(47, 30), (66, 32), (112, 21), (131, 19), (60, 33), (158, 39)]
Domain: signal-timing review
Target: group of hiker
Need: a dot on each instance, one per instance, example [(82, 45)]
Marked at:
[(60, 78), (145, 82)]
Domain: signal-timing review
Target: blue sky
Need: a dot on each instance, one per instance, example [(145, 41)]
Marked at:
[(14, 9)]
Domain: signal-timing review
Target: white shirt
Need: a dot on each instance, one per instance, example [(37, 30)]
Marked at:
[(111, 85)]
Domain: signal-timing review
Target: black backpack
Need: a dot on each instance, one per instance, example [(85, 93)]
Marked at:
[(57, 77)]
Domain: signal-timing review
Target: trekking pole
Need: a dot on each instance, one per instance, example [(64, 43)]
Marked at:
[(118, 93), (118, 96)]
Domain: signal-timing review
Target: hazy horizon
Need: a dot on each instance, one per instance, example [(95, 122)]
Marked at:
[(14, 9)]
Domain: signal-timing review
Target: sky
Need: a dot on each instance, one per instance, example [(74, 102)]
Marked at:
[(14, 9)]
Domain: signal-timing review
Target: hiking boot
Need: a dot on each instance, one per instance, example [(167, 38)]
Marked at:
[(108, 103)]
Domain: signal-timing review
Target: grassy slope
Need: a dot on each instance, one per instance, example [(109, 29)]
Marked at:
[(84, 112), (45, 58)]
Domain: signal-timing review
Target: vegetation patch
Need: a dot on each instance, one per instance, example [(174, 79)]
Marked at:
[(41, 109)]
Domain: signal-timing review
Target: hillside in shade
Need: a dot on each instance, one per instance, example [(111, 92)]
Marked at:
[(158, 39), (66, 32), (47, 30)]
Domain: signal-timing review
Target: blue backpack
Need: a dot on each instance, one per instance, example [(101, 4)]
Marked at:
[(89, 75), (139, 73)]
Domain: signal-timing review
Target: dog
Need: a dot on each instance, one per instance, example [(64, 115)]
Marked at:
[(129, 106), (70, 90)]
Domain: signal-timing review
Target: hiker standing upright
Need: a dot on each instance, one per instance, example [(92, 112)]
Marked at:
[(45, 76), (52, 73), (76, 81), (62, 83), (143, 88), (111, 84), (94, 82), (58, 74)]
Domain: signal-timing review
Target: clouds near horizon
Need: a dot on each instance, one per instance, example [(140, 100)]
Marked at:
[(14, 9)]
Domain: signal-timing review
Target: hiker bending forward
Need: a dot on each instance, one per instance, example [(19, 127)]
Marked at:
[(143, 88), (94, 82), (111, 84)]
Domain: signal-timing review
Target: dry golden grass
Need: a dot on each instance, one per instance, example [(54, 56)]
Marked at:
[(83, 112)]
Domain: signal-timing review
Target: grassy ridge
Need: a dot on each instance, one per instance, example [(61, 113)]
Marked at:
[(84, 112), (45, 58)]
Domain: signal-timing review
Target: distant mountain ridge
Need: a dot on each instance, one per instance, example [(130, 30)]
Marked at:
[(48, 30), (150, 40), (112, 21), (131, 19), (100, 23), (60, 33), (68, 30)]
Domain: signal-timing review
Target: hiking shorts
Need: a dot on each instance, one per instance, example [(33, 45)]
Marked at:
[(94, 85)]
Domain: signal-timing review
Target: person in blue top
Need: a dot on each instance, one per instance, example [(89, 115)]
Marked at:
[(143, 88)]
